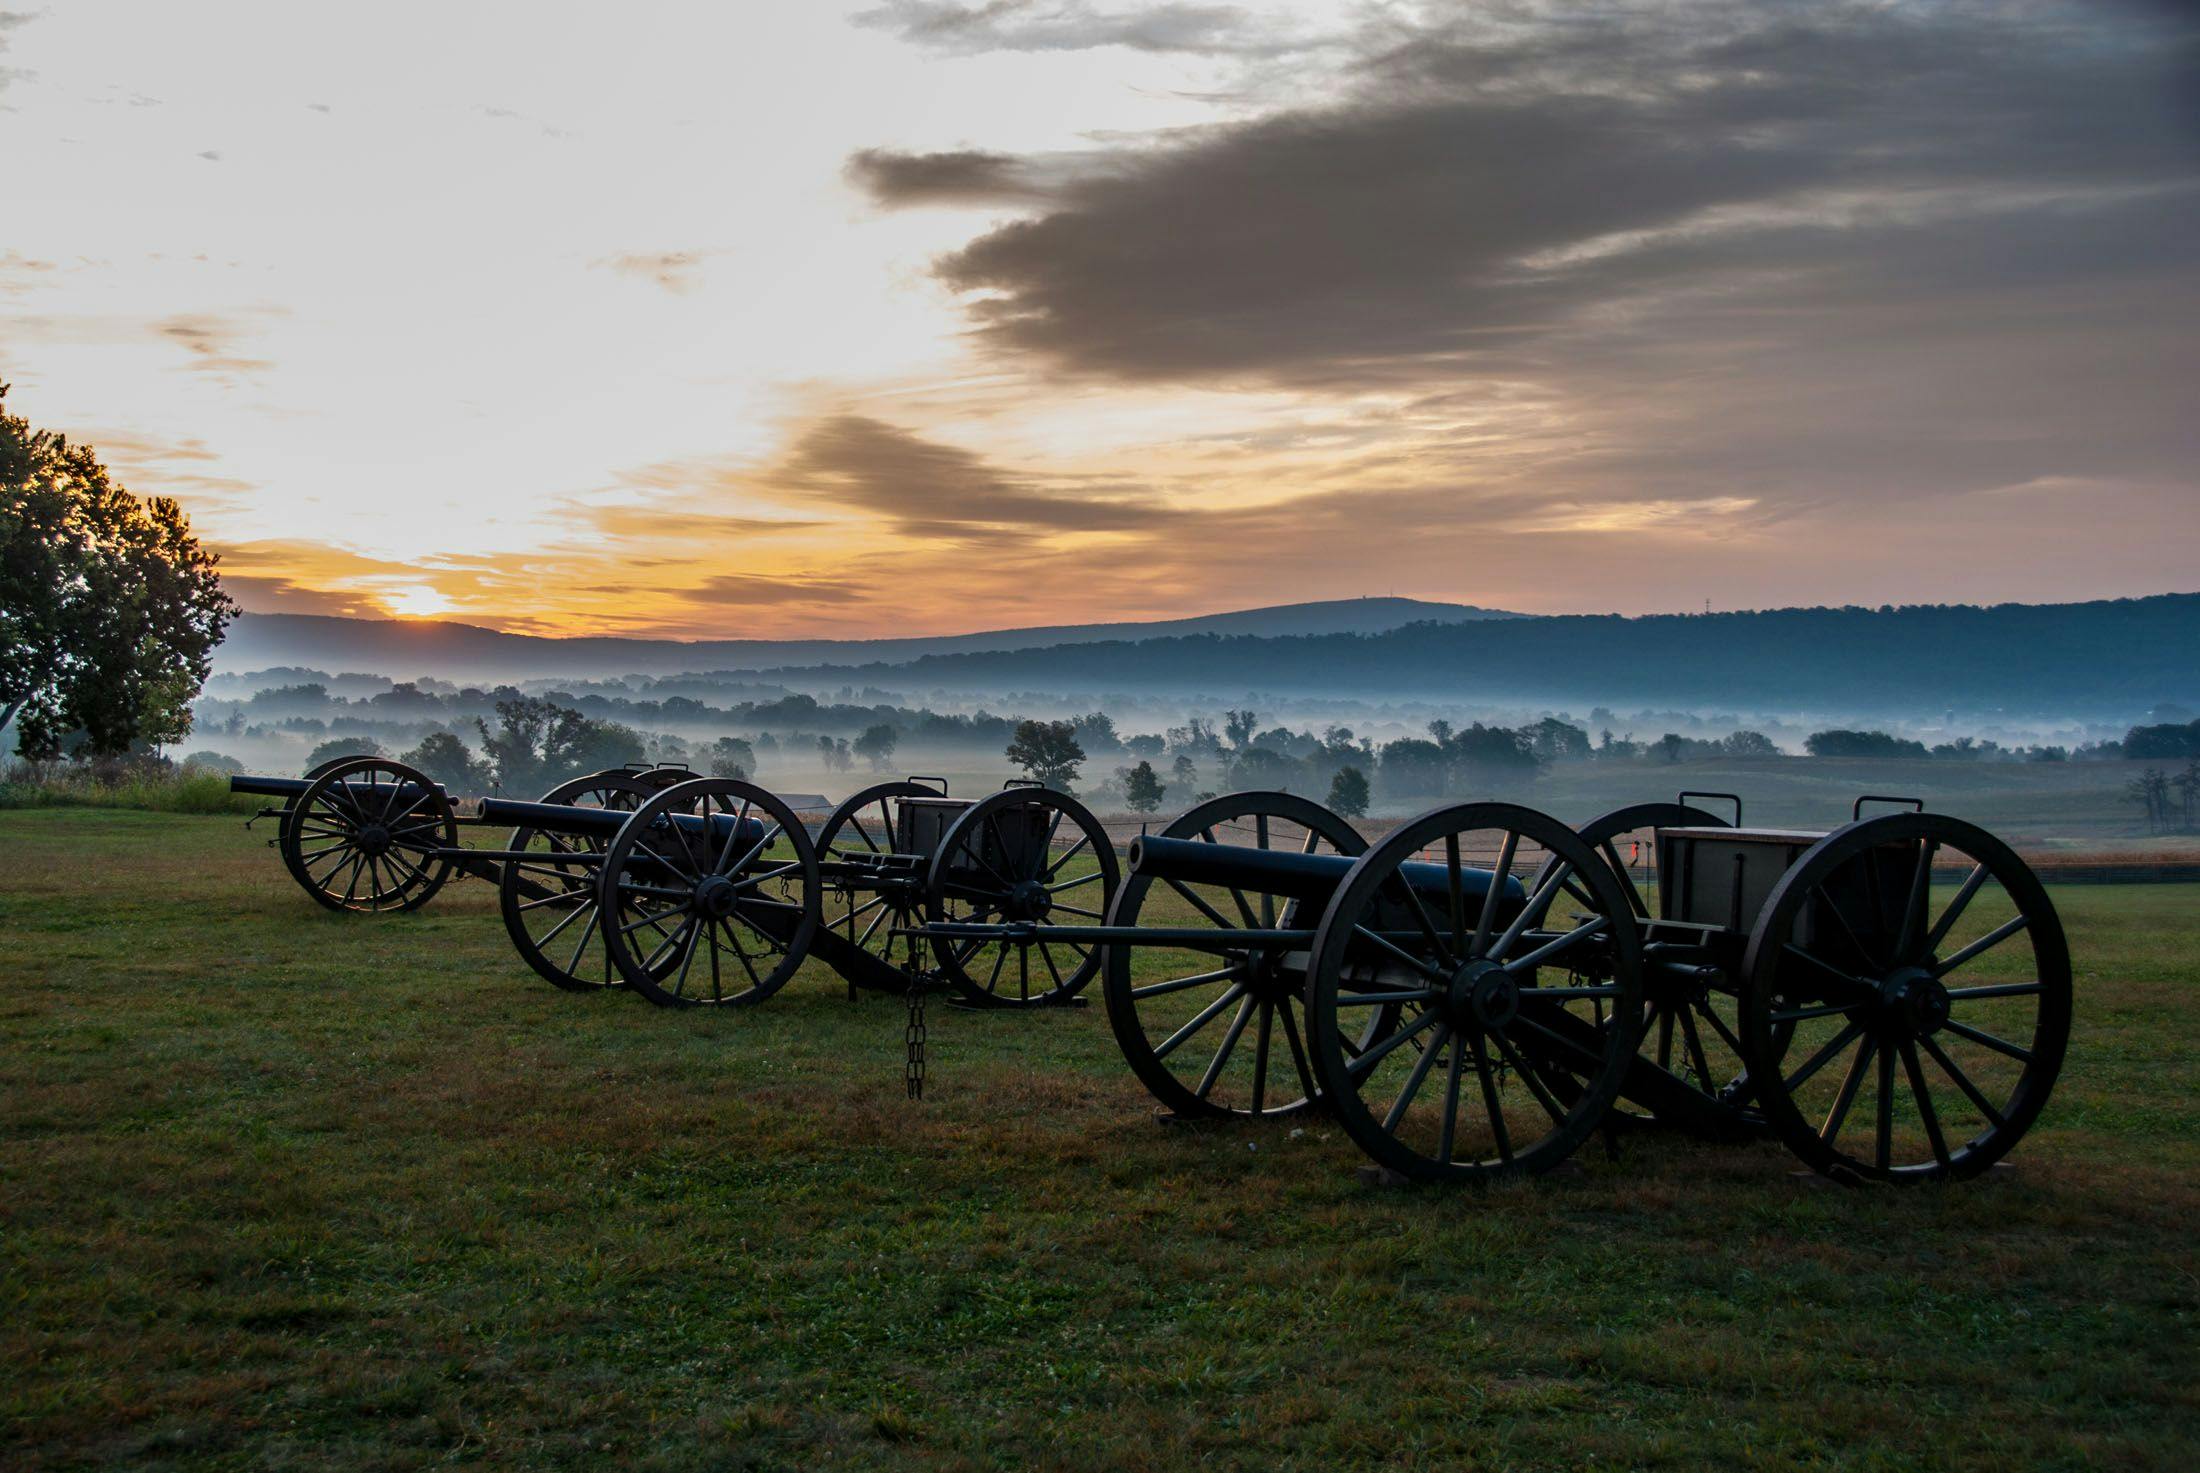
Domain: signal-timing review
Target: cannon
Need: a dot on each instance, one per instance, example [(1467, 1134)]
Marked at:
[(1482, 991)]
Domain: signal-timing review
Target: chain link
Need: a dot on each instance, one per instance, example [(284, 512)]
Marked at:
[(913, 1072)]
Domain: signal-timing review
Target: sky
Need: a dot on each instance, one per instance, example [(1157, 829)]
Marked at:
[(781, 319)]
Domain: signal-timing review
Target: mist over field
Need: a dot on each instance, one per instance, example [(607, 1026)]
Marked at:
[(2019, 714)]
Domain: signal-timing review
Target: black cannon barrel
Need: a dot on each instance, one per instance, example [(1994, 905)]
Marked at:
[(291, 789), (1306, 877), (559, 818)]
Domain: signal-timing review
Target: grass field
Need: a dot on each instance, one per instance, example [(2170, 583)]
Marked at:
[(285, 1189)]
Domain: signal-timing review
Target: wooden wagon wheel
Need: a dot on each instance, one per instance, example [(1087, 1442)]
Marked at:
[(1926, 1016), (549, 899), (718, 878), (363, 836), (1432, 922), (1011, 859), (1182, 1014)]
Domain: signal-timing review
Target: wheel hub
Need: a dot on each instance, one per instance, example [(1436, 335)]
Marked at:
[(374, 840), (1483, 995), (716, 896), (1027, 900), (1914, 1000)]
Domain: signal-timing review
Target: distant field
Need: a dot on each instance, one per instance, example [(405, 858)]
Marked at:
[(283, 1189)]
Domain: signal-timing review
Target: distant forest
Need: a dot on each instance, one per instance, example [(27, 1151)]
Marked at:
[(2057, 659)]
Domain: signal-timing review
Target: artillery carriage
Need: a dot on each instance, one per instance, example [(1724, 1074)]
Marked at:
[(1472, 997)]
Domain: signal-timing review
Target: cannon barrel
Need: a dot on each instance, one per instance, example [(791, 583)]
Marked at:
[(1311, 878), (559, 818), (289, 789)]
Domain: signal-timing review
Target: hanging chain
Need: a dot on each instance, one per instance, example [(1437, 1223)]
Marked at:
[(913, 1072)]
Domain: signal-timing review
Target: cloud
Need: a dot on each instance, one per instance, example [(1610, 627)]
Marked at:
[(675, 271), (211, 155), (742, 590), (895, 179), (930, 490), (1487, 186), (1067, 25), (212, 341)]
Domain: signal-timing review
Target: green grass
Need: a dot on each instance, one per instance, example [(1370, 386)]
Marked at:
[(285, 1189)]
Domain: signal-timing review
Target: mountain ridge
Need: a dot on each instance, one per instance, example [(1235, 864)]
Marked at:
[(405, 648)]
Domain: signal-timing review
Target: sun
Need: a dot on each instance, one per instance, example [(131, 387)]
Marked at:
[(415, 601)]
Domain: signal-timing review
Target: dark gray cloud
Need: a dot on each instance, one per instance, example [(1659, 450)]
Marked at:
[(894, 179), (1068, 25), (743, 590), (1486, 188), (931, 490)]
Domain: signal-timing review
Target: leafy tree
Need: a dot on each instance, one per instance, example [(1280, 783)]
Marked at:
[(1142, 788), (344, 746), (732, 757), (1496, 754), (1048, 751), (109, 608), (1144, 745), (1263, 767), (1096, 733), (1239, 727), (539, 744), (1553, 740), (1184, 770), (834, 754), (1839, 742), (2168, 741), (1440, 731), (443, 757), (1411, 766), (1196, 737), (215, 762), (1348, 792), (1752, 744), (876, 745), (1670, 746)]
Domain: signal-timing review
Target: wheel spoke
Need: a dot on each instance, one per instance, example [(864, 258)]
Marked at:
[(1499, 873), (1980, 1036), (1489, 1100), (1199, 1020), (1913, 905), (1378, 999), (1359, 1067), (1984, 944), (1156, 989), (1883, 1145), (1537, 904), (2000, 989), (1847, 1096), (1634, 895), (1924, 1098), (1229, 1042), (1298, 1052), (1963, 1082), (1528, 1076), (1260, 1056), (1823, 1057), (1421, 1066), (1552, 948), (1430, 972), (1954, 912)]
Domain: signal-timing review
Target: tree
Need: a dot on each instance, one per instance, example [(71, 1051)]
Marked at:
[(343, 746), (1262, 767), (1348, 792), (443, 757), (1184, 770), (1142, 788), (1749, 744), (539, 744), (1048, 751), (732, 757), (1838, 742), (876, 745), (1239, 727), (1553, 740), (219, 763), (109, 608), (1412, 767), (1096, 733), (1439, 732), (1146, 744), (834, 754)]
